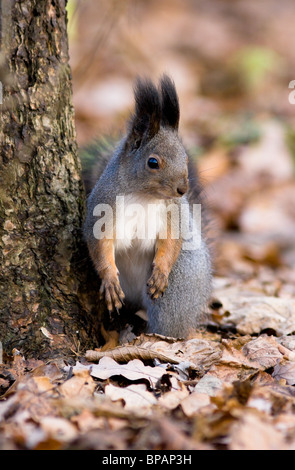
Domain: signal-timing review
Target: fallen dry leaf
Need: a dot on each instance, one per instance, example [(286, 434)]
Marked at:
[(263, 350), (173, 399), (255, 431), (209, 385), (200, 352), (33, 405), (193, 403), (231, 356), (81, 384), (166, 434), (133, 370), (123, 354), (285, 423), (285, 371), (288, 342), (135, 397), (58, 429), (253, 314), (87, 421)]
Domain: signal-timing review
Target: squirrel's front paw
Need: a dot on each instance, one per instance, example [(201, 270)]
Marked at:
[(111, 291), (157, 283)]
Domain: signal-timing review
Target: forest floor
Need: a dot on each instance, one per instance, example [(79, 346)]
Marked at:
[(232, 384)]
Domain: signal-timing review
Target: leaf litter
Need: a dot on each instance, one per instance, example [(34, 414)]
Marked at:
[(214, 388)]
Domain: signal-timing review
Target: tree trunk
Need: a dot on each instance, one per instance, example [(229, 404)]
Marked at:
[(47, 285)]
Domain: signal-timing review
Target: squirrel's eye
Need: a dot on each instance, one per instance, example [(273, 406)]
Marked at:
[(153, 163)]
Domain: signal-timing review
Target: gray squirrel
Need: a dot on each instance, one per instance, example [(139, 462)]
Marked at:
[(167, 276)]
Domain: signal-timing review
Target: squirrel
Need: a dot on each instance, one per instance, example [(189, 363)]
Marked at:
[(150, 169)]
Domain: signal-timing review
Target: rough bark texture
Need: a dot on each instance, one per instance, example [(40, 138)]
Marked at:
[(47, 303)]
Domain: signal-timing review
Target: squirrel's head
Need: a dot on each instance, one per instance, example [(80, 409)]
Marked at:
[(153, 152)]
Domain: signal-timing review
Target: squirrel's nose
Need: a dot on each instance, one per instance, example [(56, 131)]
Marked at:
[(182, 188)]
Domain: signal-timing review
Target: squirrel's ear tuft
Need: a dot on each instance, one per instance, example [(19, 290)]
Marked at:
[(170, 103), (147, 117)]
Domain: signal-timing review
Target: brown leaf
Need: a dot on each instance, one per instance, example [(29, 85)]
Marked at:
[(236, 358), (264, 350), (81, 385), (133, 370), (135, 397), (288, 342), (194, 402), (227, 374), (285, 371), (199, 353), (102, 439), (57, 429), (50, 370), (209, 385), (28, 402), (173, 399), (152, 338), (86, 421), (111, 338), (255, 431), (211, 426), (43, 373), (252, 314), (166, 434), (124, 354)]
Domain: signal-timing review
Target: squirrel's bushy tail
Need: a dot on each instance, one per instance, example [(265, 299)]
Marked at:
[(94, 159)]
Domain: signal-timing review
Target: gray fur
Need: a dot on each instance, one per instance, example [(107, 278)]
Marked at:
[(184, 302), (183, 305)]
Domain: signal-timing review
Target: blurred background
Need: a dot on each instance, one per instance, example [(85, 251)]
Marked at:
[(232, 62)]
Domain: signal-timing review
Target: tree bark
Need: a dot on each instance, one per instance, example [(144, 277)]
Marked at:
[(48, 297)]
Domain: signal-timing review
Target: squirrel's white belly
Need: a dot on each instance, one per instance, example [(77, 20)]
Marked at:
[(134, 267), (138, 224)]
